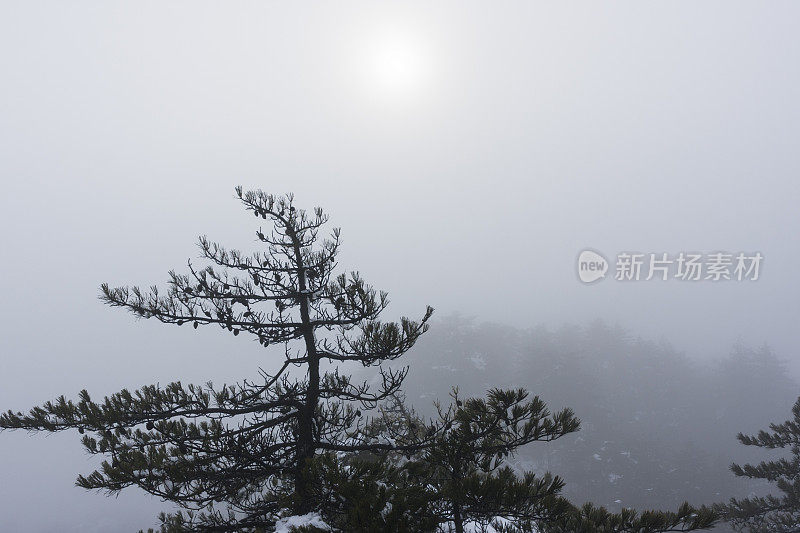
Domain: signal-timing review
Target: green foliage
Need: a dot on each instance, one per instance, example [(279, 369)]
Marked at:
[(466, 464), (236, 456), (591, 519), (239, 457), (363, 495), (463, 478), (771, 514)]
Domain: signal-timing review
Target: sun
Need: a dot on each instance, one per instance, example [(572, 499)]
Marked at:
[(398, 66)]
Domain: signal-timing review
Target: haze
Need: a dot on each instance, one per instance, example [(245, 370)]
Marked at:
[(468, 151)]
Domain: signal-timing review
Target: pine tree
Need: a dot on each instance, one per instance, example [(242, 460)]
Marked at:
[(458, 477), (770, 514), (463, 479), (467, 468), (235, 456), (474, 482), (592, 519)]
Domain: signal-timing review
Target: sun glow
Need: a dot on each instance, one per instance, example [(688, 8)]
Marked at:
[(398, 66)]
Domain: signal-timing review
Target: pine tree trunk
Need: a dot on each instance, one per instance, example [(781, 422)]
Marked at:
[(458, 520), (305, 438)]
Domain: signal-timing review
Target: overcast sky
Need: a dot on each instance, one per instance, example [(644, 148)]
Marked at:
[(468, 151)]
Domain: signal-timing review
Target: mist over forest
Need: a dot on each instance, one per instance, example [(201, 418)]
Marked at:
[(470, 153), (657, 427)]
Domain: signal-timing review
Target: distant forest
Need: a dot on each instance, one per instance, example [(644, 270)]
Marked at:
[(658, 428)]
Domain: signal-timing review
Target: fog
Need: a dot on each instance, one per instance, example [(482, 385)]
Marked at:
[(469, 178)]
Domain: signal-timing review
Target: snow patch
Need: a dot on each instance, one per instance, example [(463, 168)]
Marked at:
[(473, 527), (285, 525)]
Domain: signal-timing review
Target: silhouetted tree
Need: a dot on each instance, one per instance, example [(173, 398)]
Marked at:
[(592, 519), (467, 470), (235, 456), (463, 481), (771, 514)]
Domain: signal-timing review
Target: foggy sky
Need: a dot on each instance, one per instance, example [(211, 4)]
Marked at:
[(534, 131)]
